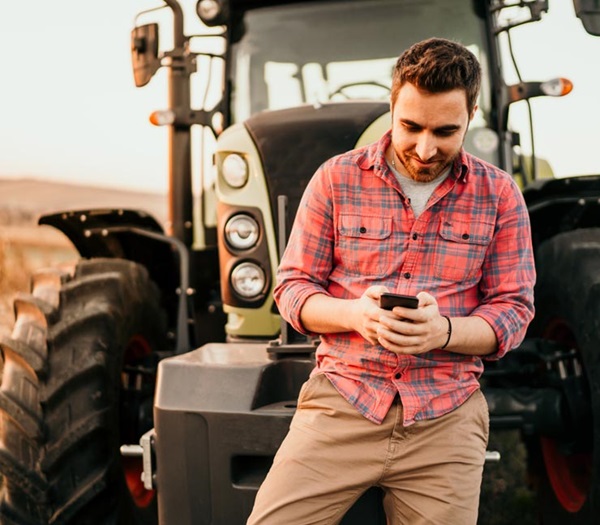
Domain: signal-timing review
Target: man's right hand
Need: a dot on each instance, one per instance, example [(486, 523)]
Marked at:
[(324, 314), (367, 313)]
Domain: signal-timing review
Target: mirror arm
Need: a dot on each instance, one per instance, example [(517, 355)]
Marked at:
[(179, 35), (524, 91)]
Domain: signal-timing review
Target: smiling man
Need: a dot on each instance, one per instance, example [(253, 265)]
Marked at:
[(394, 400), (429, 132)]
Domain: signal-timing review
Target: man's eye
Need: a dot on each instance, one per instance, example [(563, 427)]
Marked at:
[(445, 133)]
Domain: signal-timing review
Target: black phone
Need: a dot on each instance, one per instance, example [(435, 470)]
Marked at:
[(387, 301)]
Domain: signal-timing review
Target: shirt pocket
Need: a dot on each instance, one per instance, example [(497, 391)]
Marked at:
[(364, 245), (461, 248)]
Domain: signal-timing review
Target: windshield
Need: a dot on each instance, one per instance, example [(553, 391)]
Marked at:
[(317, 52)]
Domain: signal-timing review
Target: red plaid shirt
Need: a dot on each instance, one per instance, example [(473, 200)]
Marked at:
[(470, 249)]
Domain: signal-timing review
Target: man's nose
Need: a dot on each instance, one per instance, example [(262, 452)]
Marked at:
[(426, 147)]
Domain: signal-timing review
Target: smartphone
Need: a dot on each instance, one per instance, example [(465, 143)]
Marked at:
[(387, 301)]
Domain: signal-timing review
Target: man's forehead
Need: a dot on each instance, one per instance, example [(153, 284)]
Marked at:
[(432, 109)]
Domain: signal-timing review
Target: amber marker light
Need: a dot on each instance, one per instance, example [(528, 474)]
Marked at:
[(557, 87), (163, 117)]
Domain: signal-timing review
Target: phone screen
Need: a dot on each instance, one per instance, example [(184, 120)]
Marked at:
[(387, 301)]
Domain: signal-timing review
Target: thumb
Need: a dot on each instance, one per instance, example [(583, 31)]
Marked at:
[(374, 292), (426, 299)]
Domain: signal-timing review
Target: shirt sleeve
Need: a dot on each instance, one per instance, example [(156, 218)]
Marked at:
[(307, 261), (508, 274)]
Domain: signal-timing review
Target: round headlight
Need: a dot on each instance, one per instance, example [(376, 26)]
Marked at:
[(248, 280), (235, 170), (241, 232)]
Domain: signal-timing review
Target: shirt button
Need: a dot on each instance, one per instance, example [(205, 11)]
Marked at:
[(363, 229), (465, 236), (397, 375), (407, 275), (414, 236)]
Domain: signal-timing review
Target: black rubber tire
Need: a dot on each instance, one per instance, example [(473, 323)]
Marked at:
[(61, 396), (567, 297)]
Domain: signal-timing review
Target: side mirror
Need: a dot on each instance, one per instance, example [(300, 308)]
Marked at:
[(144, 53), (589, 13)]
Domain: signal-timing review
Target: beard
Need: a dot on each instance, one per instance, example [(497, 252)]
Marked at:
[(425, 174)]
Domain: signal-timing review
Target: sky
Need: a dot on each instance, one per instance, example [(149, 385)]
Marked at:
[(566, 127), (69, 110)]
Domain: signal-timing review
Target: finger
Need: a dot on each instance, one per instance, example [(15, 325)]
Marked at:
[(402, 349), (400, 325), (393, 347), (396, 337), (370, 331), (411, 314)]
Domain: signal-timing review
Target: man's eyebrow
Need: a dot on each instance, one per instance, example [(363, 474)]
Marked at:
[(446, 128)]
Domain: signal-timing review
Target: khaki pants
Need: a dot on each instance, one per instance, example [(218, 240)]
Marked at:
[(430, 471)]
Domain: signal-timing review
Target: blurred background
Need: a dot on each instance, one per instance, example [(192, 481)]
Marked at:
[(69, 110)]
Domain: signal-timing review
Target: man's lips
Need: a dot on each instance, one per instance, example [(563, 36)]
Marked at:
[(424, 164)]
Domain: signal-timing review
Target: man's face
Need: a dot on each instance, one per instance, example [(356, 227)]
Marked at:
[(428, 130)]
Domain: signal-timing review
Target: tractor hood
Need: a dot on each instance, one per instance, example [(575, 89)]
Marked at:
[(293, 143)]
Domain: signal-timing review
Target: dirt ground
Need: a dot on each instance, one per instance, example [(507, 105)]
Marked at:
[(26, 247), (24, 250)]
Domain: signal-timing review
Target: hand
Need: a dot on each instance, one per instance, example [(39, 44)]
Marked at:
[(412, 331), (367, 313)]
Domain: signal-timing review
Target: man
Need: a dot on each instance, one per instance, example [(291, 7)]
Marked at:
[(394, 400)]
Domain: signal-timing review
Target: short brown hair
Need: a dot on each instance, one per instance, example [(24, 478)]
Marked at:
[(437, 65)]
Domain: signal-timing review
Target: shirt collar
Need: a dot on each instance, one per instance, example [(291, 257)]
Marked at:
[(373, 156)]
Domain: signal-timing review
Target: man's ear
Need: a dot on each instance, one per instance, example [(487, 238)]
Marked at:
[(475, 108)]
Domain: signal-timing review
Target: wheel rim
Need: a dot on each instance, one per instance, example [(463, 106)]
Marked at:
[(569, 475), (137, 349)]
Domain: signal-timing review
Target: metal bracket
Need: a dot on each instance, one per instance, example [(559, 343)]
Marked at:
[(492, 456), (286, 345), (147, 443), (145, 450)]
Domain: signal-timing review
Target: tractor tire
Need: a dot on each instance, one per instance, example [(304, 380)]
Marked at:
[(566, 472), (78, 382)]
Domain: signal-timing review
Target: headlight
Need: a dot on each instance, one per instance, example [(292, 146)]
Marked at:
[(241, 232), (235, 170), (212, 12), (248, 280)]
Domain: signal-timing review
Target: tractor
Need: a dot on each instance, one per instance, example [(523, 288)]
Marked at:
[(154, 381)]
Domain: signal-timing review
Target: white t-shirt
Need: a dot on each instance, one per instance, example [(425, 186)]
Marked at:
[(418, 193)]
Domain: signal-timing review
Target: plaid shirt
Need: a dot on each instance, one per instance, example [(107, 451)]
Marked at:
[(470, 249)]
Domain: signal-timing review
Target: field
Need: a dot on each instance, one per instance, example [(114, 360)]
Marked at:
[(26, 247), (23, 250)]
